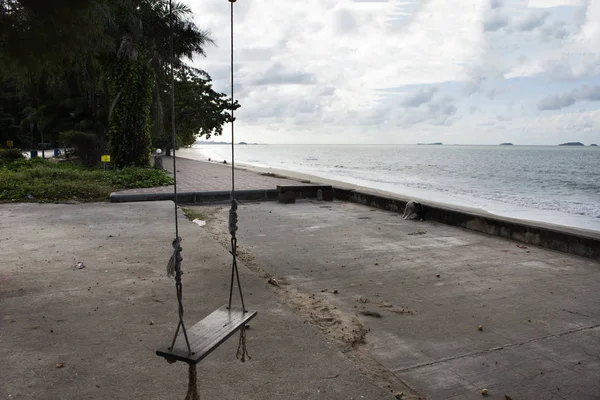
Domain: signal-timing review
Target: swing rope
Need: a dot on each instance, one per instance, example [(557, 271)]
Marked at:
[(242, 351), (174, 264)]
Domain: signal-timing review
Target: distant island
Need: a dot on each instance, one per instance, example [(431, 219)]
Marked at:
[(572, 144), (506, 144), (211, 142), (430, 144), (594, 145)]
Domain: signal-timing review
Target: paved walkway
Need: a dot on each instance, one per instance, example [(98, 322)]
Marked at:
[(204, 176)]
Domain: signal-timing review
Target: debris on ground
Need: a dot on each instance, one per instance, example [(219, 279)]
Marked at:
[(401, 310), (273, 282), (80, 265), (368, 313), (399, 396), (521, 246), (438, 275), (60, 365), (151, 322), (484, 392), (417, 233), (480, 328)]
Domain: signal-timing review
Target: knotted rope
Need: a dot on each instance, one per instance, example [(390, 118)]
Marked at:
[(192, 393), (174, 263), (233, 218), (242, 351)]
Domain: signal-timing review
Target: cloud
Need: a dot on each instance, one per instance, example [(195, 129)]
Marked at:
[(556, 102), (529, 22), (555, 3), (345, 21), (419, 97), (589, 93), (277, 75), (344, 70), (496, 4), (494, 22)]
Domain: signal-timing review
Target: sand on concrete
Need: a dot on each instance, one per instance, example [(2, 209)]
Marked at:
[(91, 333), (420, 290)]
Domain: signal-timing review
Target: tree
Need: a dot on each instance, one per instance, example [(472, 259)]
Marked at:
[(130, 83), (103, 67), (145, 33), (199, 109)]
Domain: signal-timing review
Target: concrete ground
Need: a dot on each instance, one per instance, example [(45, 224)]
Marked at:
[(91, 333), (421, 290)]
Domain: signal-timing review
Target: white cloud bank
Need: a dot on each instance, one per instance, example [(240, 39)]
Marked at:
[(342, 71)]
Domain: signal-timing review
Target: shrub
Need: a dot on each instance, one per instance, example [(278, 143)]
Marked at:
[(84, 145), (43, 180), (10, 155)]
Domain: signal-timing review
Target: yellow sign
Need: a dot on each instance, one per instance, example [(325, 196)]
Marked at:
[(105, 158), (9, 143)]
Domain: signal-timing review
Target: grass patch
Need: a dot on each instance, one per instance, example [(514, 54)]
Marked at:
[(194, 214), (273, 175), (48, 181)]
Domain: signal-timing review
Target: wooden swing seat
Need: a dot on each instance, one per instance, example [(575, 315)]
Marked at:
[(207, 335)]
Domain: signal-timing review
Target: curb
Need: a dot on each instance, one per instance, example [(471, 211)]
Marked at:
[(196, 197)]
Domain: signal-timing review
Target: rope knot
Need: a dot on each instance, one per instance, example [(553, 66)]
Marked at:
[(233, 217), (174, 264), (242, 351)]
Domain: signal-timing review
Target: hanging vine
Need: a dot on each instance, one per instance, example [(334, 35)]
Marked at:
[(131, 82)]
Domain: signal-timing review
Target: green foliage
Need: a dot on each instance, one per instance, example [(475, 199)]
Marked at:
[(131, 83), (199, 109), (48, 181), (10, 155), (66, 64), (83, 145), (132, 177)]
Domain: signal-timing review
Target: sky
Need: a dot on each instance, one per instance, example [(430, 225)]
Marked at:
[(408, 71)]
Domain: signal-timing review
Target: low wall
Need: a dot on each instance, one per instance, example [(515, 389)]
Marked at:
[(196, 197), (538, 235), (566, 240)]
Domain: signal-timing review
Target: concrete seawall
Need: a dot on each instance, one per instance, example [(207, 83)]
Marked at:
[(573, 241), (564, 239)]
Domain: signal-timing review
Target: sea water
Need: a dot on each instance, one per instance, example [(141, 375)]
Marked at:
[(555, 184)]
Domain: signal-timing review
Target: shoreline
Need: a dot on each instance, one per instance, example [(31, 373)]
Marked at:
[(195, 154)]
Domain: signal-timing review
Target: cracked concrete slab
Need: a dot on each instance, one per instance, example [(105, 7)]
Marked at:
[(91, 333), (539, 309)]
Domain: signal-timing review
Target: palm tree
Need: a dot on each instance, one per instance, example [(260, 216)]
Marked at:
[(144, 55)]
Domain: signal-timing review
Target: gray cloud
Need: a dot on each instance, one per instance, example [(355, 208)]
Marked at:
[(556, 30), (494, 22), (589, 93), (276, 75), (496, 4), (556, 102), (345, 22), (531, 21), (421, 96), (442, 111), (438, 112)]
